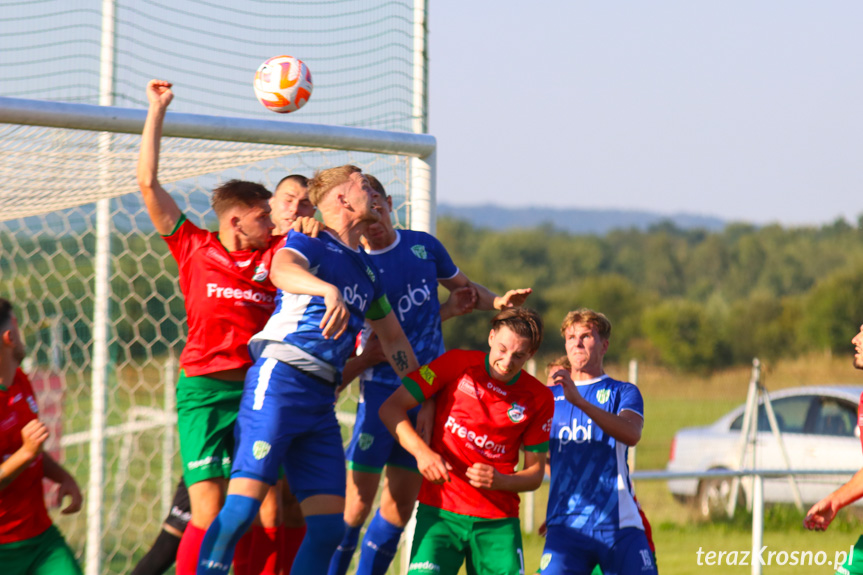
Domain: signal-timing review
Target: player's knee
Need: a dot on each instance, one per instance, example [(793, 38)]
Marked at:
[(397, 512), (357, 510)]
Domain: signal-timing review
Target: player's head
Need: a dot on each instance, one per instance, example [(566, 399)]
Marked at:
[(343, 190), (516, 334), (244, 208), (554, 366), (381, 231), (11, 344), (586, 334), (291, 201), (858, 349)]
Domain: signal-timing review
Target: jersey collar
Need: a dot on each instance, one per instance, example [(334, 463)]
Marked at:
[(592, 381), (389, 247), (488, 371)]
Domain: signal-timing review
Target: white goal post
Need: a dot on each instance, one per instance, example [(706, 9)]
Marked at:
[(56, 159)]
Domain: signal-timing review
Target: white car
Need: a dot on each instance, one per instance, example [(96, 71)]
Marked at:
[(818, 425)]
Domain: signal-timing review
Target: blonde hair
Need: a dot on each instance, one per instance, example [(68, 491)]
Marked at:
[(325, 180), (590, 318)]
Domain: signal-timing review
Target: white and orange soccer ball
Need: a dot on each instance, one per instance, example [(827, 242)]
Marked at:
[(283, 84)]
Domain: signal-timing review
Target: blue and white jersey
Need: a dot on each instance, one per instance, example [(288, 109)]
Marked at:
[(410, 269), (590, 484), (297, 317)]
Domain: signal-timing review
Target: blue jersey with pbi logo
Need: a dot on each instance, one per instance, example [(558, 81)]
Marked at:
[(410, 269), (590, 484), (297, 317)]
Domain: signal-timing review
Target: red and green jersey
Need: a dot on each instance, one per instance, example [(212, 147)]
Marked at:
[(229, 297), (22, 503), (479, 419)]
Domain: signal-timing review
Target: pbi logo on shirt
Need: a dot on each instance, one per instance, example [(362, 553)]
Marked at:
[(427, 374), (602, 395), (261, 273), (420, 251), (413, 297), (577, 433), (353, 297), (516, 413)]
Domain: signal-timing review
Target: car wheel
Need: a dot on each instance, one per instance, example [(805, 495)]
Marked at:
[(713, 495)]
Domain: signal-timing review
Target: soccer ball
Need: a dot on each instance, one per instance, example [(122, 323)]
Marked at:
[(283, 84)]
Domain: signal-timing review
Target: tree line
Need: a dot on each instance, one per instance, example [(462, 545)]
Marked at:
[(688, 299)]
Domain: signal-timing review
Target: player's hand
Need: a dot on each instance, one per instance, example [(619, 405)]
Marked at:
[(482, 476), (306, 225), (335, 319), (433, 467), (570, 390), (460, 301), (69, 487), (33, 435), (543, 530), (512, 298), (820, 516), (159, 93), (425, 420)]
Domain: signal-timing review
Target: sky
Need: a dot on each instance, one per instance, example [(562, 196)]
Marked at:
[(749, 111)]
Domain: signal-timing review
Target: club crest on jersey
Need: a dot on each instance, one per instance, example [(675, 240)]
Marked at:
[(602, 395), (260, 449), (420, 251), (365, 441), (427, 374), (32, 403), (516, 413), (261, 273)]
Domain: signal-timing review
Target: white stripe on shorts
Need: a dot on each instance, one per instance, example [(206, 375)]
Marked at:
[(263, 382)]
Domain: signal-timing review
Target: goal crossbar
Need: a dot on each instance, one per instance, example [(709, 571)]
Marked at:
[(204, 127)]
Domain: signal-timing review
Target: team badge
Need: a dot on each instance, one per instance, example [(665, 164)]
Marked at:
[(365, 441), (420, 252), (260, 449), (261, 273), (370, 273), (32, 403), (544, 560), (516, 413), (602, 395), (427, 374)]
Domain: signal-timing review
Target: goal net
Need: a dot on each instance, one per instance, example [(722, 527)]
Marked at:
[(116, 432)]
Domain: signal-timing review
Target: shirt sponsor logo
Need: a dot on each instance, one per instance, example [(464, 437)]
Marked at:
[(261, 449), (481, 441), (18, 397), (413, 297), (495, 388), (334, 248), (577, 433), (602, 395), (353, 296), (424, 565), (516, 413), (427, 374), (365, 441), (202, 462), (261, 273), (420, 251), (214, 254), (219, 292), (466, 386), (32, 403), (9, 422)]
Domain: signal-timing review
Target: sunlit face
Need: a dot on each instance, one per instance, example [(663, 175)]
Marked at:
[(12, 339), (858, 349), (508, 353), (359, 196), (254, 225), (381, 231), (291, 201), (585, 348)]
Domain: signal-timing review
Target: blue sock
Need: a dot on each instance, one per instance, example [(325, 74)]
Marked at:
[(345, 551), (323, 534), (217, 548), (379, 546)]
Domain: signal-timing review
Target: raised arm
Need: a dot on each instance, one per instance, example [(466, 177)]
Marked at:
[(485, 298), (290, 273), (161, 206)]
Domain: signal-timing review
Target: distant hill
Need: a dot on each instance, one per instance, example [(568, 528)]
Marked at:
[(573, 220)]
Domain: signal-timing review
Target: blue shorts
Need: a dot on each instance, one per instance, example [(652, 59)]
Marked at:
[(287, 418), (570, 551), (372, 445)]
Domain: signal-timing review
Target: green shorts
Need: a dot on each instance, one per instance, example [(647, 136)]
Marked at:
[(444, 540), (206, 412), (854, 564), (45, 554)]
